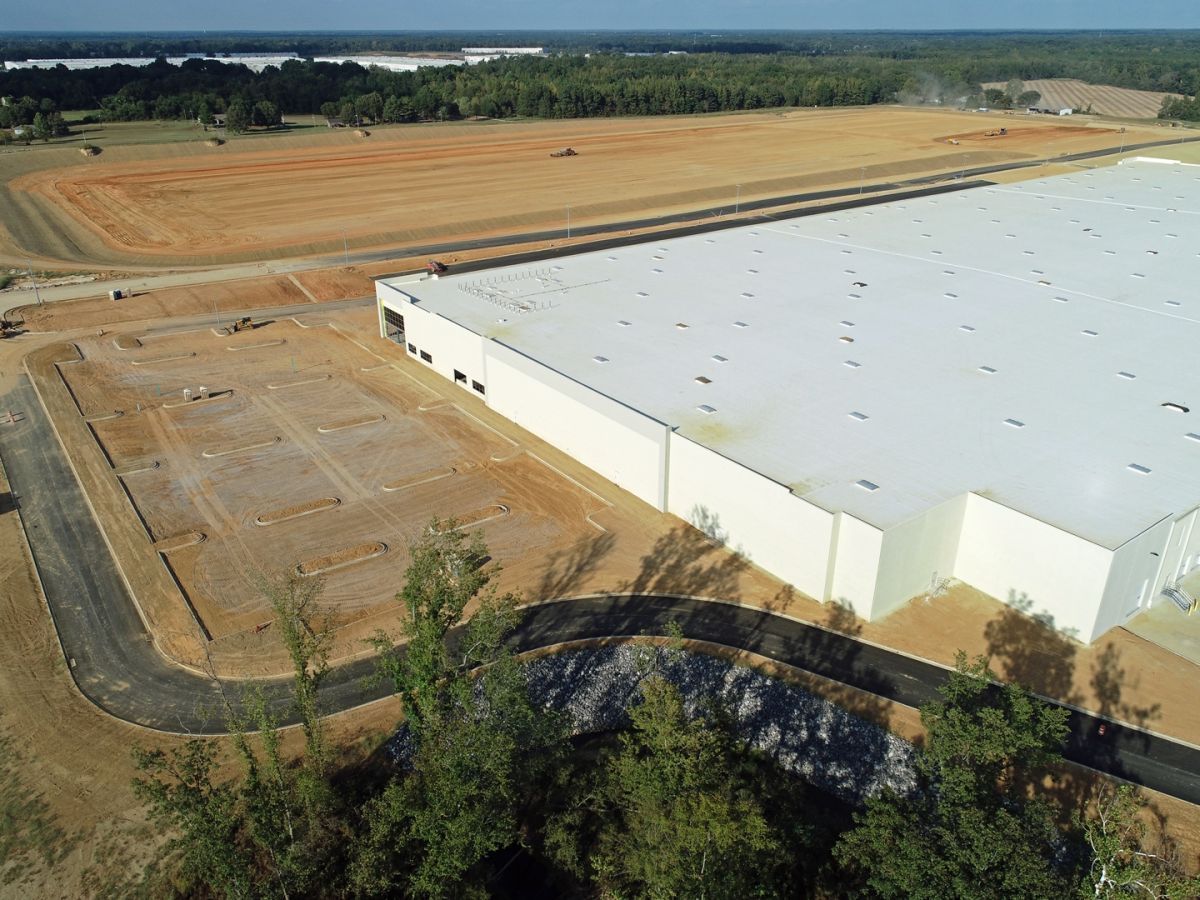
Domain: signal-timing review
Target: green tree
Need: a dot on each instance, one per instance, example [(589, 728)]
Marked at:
[(237, 117), (969, 831), (1120, 862), (41, 127), (200, 814), (480, 742), (266, 113), (672, 813)]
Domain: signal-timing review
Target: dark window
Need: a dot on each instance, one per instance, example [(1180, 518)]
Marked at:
[(478, 387), (425, 356), (412, 348), (394, 323), (460, 377)]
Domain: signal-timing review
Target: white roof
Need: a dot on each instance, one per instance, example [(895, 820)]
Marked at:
[(1018, 341)]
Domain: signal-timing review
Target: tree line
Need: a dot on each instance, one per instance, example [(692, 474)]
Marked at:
[(816, 71), (484, 782)]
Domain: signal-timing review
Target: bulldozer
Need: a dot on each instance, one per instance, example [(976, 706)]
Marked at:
[(565, 151)]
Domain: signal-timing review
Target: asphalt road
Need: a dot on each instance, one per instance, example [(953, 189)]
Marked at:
[(115, 665)]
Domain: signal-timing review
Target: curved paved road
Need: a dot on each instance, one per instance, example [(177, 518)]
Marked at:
[(115, 666)]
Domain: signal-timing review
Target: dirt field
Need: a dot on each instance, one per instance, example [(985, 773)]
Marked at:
[(310, 455), (1105, 100), (418, 183)]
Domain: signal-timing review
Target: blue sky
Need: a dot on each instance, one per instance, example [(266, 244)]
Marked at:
[(279, 15)]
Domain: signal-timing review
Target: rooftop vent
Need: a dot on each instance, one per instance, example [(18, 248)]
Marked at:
[(868, 486), (717, 357), (1192, 436), (987, 370), (847, 323), (861, 417), (1137, 275), (706, 409), (657, 271), (1089, 332), (1141, 470), (746, 295), (851, 364), (741, 324), (1014, 423), (1061, 300), (950, 296), (846, 340), (600, 359), (642, 294), (1172, 302), (624, 323), (857, 283), (752, 271), (1177, 407), (967, 328), (947, 271), (1127, 375), (681, 325), (701, 379)]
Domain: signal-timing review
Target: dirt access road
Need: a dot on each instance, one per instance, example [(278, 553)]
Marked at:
[(284, 198)]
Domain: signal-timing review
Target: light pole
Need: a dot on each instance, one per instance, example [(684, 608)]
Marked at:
[(568, 223), (217, 313), (36, 293), (345, 250), (862, 177), (737, 202)]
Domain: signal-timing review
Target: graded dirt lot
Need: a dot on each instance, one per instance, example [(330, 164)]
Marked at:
[(1104, 99), (292, 197)]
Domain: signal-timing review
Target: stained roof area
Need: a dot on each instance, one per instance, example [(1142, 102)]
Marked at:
[(1036, 343)]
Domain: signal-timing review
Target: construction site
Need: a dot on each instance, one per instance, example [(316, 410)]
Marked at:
[(213, 441)]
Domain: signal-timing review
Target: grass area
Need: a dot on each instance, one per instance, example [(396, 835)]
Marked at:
[(1188, 153), (29, 836), (113, 134)]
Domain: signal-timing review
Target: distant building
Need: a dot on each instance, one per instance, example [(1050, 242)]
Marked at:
[(1066, 111)]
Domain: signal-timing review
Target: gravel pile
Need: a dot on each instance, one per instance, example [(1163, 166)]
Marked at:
[(812, 737)]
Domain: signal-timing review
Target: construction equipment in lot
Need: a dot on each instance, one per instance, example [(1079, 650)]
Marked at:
[(566, 151), (436, 267), (245, 323)]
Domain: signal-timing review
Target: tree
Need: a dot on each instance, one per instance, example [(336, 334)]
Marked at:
[(1029, 98), (201, 815), (969, 831), (237, 117), (41, 127), (1120, 864), (479, 742), (266, 113), (1013, 90), (672, 813)]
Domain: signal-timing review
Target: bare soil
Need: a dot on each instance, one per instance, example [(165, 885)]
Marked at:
[(419, 183)]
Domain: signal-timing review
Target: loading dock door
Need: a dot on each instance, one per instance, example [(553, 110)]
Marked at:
[(394, 322)]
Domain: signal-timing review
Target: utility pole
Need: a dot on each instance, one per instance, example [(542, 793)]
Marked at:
[(36, 293)]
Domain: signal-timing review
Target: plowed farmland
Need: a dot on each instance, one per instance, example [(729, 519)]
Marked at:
[(252, 199), (1106, 100)]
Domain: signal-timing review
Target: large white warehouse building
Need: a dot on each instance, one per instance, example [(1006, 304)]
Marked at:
[(1000, 385)]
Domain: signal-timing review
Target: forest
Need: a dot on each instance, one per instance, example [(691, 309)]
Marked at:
[(485, 792), (585, 75)]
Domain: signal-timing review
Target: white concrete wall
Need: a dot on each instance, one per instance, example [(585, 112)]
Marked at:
[(621, 444), (449, 344), (1181, 553), (854, 564), (1134, 579), (1019, 560), (916, 553), (774, 528)]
